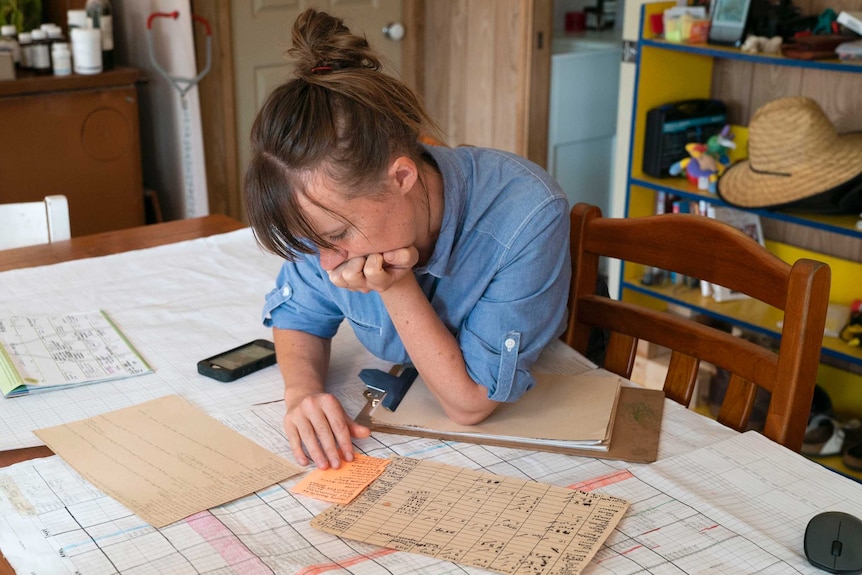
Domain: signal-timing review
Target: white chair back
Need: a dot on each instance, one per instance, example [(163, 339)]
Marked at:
[(31, 223)]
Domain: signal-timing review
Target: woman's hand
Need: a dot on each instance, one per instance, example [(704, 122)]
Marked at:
[(319, 423), (375, 272)]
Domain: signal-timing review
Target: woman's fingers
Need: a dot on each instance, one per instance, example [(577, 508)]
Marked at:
[(320, 426), (402, 258)]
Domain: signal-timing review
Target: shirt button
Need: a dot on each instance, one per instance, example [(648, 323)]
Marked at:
[(285, 291), (509, 343)]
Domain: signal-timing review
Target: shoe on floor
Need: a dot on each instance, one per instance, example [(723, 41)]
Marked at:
[(824, 436)]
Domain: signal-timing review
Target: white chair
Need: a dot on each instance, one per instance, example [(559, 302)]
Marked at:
[(31, 223)]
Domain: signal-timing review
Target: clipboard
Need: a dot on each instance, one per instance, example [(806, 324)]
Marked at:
[(634, 437)]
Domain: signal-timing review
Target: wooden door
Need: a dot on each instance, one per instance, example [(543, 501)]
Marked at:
[(487, 72), (482, 67), (249, 41)]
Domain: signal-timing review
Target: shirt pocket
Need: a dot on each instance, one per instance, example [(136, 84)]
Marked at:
[(364, 327), (273, 300)]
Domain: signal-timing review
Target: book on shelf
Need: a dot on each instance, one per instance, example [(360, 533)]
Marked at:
[(851, 20), (748, 223), (41, 353)]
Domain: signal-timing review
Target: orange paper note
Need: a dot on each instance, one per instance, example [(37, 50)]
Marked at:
[(343, 484)]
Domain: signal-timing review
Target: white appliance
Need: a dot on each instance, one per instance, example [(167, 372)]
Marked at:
[(585, 72)]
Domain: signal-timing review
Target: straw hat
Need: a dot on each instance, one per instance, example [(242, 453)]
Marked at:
[(794, 153)]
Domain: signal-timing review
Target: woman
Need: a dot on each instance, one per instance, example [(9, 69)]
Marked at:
[(455, 260)]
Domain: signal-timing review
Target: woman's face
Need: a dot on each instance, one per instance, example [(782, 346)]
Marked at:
[(359, 226)]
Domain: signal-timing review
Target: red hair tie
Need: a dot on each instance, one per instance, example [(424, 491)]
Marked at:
[(317, 69)]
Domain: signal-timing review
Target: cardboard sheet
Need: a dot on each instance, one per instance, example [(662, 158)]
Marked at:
[(165, 459)]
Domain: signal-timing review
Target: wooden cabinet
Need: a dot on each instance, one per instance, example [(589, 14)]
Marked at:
[(78, 136), (669, 72)]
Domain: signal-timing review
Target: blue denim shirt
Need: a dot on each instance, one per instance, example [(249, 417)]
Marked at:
[(498, 276)]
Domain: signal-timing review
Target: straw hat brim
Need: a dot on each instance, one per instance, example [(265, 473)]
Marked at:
[(742, 186)]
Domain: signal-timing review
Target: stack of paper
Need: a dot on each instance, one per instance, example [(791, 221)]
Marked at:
[(563, 411)]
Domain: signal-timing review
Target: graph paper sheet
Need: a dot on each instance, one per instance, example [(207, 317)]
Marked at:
[(176, 304), (738, 505)]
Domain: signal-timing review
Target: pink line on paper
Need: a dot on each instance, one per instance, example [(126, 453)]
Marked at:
[(226, 544), (324, 567), (602, 481)]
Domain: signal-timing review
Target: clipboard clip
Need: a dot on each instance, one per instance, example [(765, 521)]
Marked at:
[(387, 388)]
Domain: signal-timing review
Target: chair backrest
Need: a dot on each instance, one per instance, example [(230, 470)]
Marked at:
[(31, 223), (716, 252)]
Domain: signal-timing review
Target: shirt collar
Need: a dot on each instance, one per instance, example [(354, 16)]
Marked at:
[(454, 207)]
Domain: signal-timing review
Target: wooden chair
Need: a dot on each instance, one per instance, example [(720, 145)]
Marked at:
[(716, 252), (31, 223)]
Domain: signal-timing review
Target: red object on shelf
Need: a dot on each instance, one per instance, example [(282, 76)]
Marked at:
[(656, 23), (575, 22)]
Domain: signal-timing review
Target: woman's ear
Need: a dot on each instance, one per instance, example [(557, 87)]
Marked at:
[(403, 173)]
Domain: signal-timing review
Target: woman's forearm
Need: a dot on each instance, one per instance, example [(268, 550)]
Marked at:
[(436, 354), (303, 360)]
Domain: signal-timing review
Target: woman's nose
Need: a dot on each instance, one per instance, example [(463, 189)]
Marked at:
[(331, 259)]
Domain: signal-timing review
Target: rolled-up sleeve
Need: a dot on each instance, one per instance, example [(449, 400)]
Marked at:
[(300, 301)]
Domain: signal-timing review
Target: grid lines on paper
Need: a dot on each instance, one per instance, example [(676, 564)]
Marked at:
[(682, 514)]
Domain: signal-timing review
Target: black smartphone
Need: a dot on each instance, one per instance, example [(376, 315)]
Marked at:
[(239, 361)]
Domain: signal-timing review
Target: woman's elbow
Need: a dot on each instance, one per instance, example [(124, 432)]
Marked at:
[(471, 416)]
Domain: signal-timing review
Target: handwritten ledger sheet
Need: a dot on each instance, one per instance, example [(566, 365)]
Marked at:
[(341, 485), (166, 459), (478, 519), (47, 352)]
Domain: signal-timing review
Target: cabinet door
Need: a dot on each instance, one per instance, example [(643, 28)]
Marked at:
[(84, 144)]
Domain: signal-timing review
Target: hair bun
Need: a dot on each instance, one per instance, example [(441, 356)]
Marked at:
[(322, 43)]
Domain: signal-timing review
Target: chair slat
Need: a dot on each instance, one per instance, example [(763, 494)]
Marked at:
[(681, 377), (738, 403), (620, 355)]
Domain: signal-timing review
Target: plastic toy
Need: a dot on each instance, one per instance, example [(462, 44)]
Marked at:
[(706, 162), (762, 45)]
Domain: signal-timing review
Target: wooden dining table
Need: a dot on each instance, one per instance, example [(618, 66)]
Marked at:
[(735, 501), (102, 244)]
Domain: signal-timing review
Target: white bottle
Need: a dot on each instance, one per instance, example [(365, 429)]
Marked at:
[(76, 19), (9, 40), (61, 59), (100, 14), (40, 52), (25, 41), (87, 50)]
